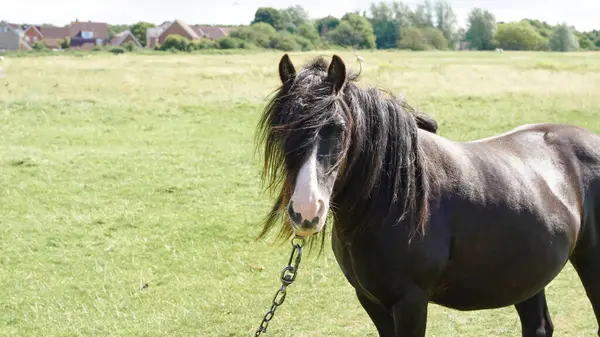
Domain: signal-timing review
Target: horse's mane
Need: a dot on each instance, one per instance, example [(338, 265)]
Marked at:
[(383, 170)]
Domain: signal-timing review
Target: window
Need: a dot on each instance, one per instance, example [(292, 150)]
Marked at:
[(5, 29), (87, 35), (27, 39), (35, 38), (98, 42)]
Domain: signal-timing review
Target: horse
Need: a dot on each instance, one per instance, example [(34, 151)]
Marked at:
[(418, 218)]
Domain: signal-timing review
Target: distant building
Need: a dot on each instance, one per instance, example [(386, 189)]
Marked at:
[(12, 37), (157, 35), (123, 38)]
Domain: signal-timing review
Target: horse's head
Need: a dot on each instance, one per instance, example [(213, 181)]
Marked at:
[(306, 132)]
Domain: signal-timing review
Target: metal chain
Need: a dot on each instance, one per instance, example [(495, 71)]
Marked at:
[(288, 276)]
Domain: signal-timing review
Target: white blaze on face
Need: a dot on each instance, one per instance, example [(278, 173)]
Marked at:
[(307, 199)]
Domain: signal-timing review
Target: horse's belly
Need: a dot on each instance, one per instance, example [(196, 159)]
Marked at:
[(502, 277)]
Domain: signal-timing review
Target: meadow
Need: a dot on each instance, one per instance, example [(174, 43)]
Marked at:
[(130, 193)]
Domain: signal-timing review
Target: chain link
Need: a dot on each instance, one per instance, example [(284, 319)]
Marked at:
[(288, 276)]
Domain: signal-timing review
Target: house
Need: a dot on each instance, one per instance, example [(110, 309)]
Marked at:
[(212, 32), (53, 35), (157, 35), (88, 35), (11, 37), (178, 27), (123, 38), (32, 35)]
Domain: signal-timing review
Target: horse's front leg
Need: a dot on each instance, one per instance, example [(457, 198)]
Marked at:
[(410, 314)]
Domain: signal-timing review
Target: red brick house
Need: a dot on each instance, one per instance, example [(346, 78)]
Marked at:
[(33, 35), (157, 35), (178, 27)]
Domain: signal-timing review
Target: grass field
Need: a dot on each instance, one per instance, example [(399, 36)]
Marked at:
[(130, 194)]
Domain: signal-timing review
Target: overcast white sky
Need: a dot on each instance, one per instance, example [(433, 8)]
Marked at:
[(583, 14)]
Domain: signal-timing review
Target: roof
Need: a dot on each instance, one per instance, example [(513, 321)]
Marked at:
[(118, 39), (23, 45), (15, 26), (192, 33), (10, 26), (55, 32), (212, 32), (51, 43), (34, 27), (100, 29)]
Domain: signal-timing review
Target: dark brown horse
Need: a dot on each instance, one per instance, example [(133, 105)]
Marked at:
[(418, 218)]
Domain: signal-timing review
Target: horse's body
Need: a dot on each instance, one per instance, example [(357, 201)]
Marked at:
[(510, 211), (501, 216)]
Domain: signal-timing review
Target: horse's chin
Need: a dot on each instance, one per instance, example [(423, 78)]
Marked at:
[(307, 232)]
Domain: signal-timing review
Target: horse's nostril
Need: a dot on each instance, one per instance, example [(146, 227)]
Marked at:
[(296, 217)]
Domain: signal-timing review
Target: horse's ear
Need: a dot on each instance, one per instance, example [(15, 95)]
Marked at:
[(337, 73), (286, 69)]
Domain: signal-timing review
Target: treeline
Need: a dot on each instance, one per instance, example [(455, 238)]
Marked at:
[(386, 25), (389, 25)]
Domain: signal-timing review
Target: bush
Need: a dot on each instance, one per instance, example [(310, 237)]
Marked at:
[(586, 43), (413, 39), (247, 45), (229, 43), (130, 46), (285, 41), (435, 38), (309, 32), (203, 44), (519, 36), (355, 31), (304, 43), (65, 43), (259, 34), (39, 46), (117, 50), (176, 42)]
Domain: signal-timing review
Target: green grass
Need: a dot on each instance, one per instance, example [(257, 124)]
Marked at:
[(130, 193)]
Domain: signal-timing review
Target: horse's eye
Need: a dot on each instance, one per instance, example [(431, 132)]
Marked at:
[(332, 130)]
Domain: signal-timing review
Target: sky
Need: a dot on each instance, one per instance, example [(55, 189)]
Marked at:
[(583, 14)]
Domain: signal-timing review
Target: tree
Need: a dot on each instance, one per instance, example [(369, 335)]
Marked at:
[(519, 36), (563, 39), (326, 24), (445, 20), (385, 27), (259, 34), (269, 15), (293, 17), (585, 43), (116, 29), (309, 32), (481, 31), (139, 30), (423, 15), (355, 31), (402, 14)]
